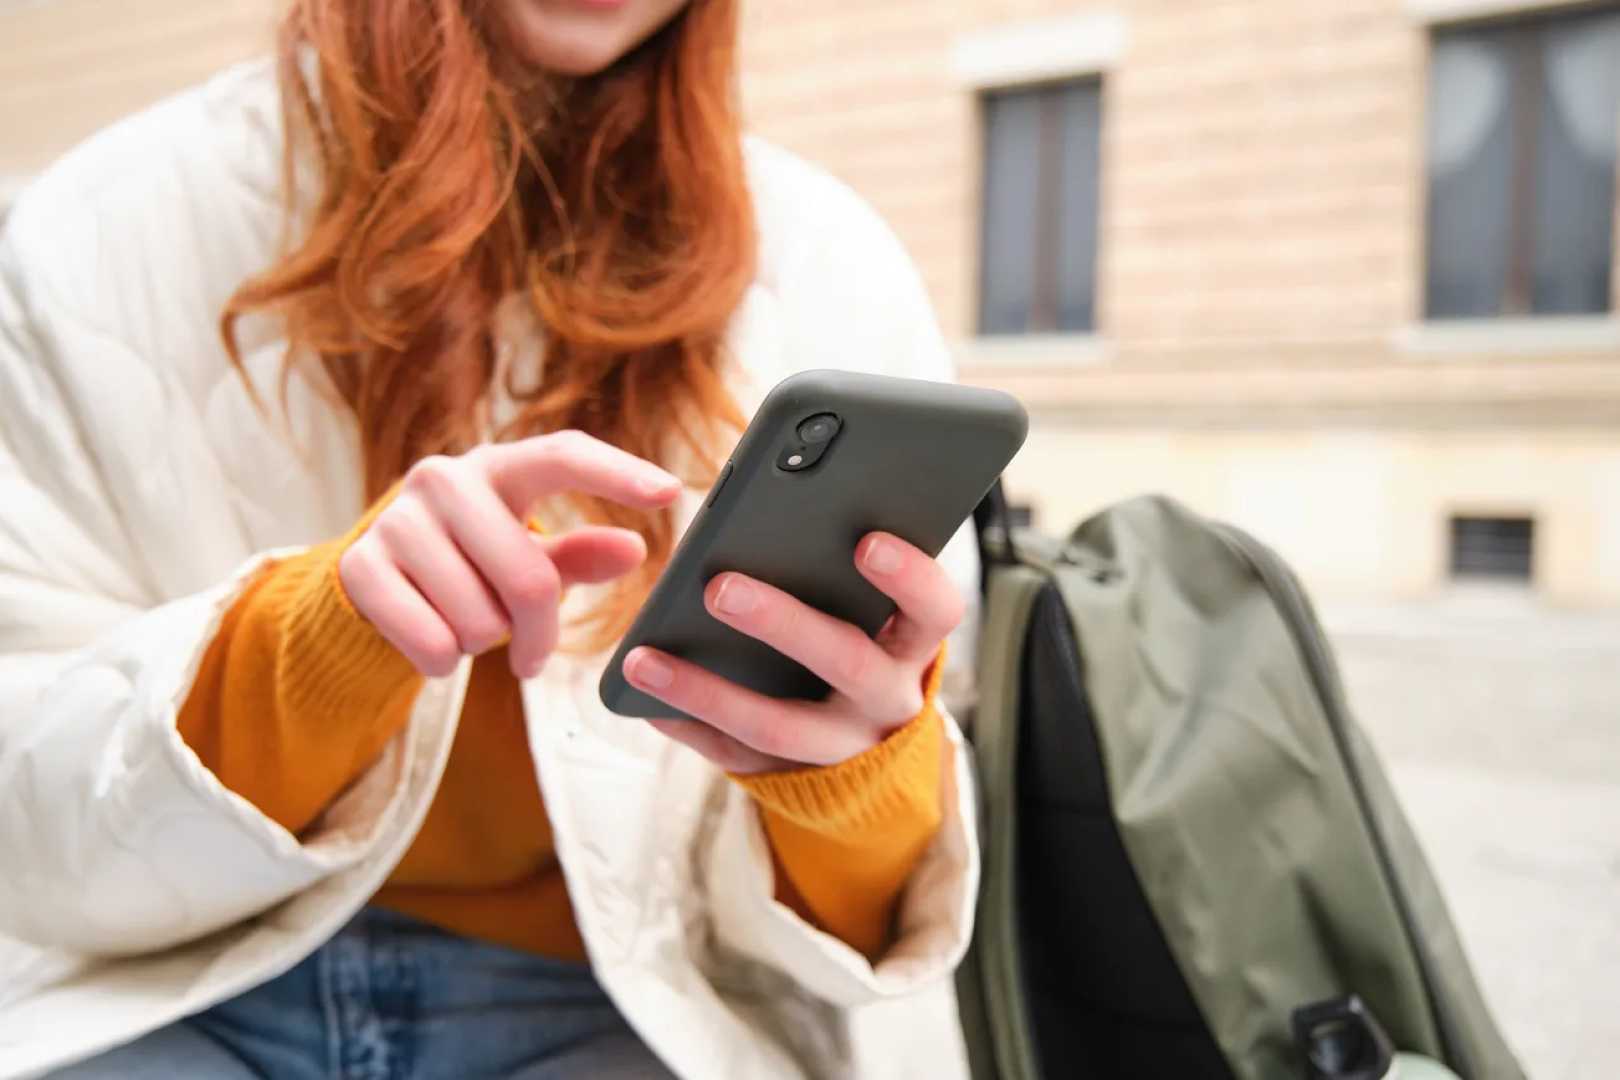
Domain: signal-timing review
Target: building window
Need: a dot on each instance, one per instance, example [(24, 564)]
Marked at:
[(1523, 119), (1500, 548), (1038, 252)]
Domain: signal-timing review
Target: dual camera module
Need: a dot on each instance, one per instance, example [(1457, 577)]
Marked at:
[(815, 433)]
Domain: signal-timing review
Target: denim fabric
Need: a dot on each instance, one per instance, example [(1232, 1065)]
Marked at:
[(391, 998)]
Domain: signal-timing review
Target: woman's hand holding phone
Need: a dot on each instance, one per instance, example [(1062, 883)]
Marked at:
[(448, 567), (876, 682)]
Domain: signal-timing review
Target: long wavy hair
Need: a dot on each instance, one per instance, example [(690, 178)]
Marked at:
[(615, 203)]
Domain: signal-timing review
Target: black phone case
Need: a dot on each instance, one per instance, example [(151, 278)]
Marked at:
[(912, 457)]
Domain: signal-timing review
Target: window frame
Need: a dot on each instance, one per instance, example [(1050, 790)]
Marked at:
[(1438, 13), (1457, 523), (1524, 329), (1017, 54), (1046, 253)]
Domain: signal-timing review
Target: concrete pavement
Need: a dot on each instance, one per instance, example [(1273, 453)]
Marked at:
[(1499, 721)]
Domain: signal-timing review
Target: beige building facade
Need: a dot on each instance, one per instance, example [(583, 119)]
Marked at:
[(1260, 337), (1260, 347), (70, 67)]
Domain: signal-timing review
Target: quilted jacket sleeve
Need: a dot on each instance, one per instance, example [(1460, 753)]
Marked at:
[(845, 260), (114, 839)]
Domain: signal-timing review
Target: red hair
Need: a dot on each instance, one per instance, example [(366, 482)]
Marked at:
[(622, 213)]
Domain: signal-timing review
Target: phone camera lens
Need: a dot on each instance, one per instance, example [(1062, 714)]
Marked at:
[(818, 428)]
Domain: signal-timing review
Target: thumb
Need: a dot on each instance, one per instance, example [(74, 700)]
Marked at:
[(591, 554)]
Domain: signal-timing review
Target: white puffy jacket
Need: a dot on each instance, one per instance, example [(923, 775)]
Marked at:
[(139, 490)]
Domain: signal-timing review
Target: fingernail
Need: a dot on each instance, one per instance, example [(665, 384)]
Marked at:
[(882, 557), (659, 484), (736, 596), (648, 670)]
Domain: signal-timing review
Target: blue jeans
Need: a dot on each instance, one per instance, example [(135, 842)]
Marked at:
[(390, 998)]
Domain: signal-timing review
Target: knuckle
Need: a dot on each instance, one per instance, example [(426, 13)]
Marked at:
[(952, 610), (733, 758), (535, 585), (782, 622), (358, 568), (480, 635), (432, 475), (437, 656), (697, 696), (773, 738), (400, 522), (702, 697), (910, 702), (438, 665), (569, 442), (856, 660)]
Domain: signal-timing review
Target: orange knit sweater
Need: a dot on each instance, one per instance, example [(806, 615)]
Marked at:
[(298, 693)]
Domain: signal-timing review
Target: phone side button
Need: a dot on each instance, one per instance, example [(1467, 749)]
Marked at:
[(720, 482)]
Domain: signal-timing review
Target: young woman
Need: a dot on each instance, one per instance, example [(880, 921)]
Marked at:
[(349, 406)]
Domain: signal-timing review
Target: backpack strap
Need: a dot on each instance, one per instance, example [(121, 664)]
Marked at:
[(992, 513), (994, 975)]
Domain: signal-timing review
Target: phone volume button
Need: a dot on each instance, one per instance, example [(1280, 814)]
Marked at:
[(720, 482)]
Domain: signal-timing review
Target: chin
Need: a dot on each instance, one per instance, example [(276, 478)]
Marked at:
[(559, 55), (571, 39)]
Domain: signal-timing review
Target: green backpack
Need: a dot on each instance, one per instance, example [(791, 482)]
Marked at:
[(1193, 863)]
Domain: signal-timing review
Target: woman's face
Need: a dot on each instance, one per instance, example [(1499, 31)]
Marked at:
[(577, 37)]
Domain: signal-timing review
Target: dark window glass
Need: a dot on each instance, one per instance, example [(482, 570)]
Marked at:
[(1492, 547), (1039, 245), (1077, 207), (1574, 205), (1012, 159), (1521, 157)]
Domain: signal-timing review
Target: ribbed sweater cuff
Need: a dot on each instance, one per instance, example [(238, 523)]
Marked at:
[(335, 662), (899, 777)]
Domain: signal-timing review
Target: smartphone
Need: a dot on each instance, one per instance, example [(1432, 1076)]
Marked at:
[(829, 457)]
